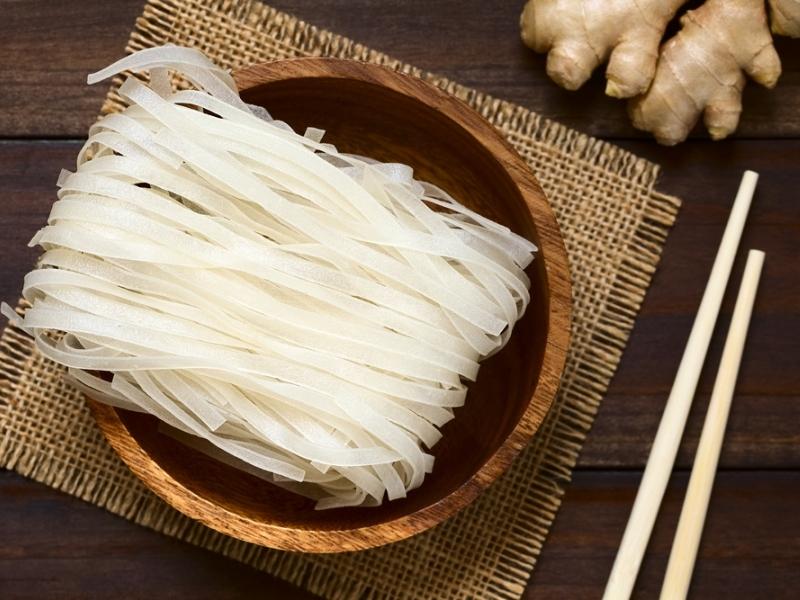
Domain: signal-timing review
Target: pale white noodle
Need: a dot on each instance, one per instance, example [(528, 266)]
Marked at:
[(306, 315)]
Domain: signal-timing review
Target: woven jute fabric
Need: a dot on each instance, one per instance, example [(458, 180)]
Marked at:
[(614, 224)]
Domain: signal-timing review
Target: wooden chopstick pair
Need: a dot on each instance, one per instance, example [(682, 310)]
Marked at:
[(670, 430)]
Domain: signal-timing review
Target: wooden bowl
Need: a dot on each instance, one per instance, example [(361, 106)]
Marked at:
[(369, 110)]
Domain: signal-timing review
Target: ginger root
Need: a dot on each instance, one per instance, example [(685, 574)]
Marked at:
[(701, 70), (785, 17), (582, 34)]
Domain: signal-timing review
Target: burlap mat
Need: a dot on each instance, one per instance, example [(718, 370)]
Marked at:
[(614, 224)]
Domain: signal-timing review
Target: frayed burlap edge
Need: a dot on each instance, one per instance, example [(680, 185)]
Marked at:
[(566, 426)]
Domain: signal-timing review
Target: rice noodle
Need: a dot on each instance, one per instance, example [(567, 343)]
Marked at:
[(306, 315)]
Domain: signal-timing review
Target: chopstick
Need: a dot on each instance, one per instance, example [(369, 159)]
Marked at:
[(695, 505), (670, 429)]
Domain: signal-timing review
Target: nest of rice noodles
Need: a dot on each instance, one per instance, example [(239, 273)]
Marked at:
[(310, 316)]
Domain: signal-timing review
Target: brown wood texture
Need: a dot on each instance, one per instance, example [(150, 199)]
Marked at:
[(55, 546), (474, 43), (373, 111)]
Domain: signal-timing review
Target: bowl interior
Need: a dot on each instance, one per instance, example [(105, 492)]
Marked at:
[(365, 118)]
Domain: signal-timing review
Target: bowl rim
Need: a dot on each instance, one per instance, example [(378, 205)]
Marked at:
[(551, 251)]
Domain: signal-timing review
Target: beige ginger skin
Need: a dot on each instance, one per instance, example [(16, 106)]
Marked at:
[(580, 35), (700, 71), (785, 17)]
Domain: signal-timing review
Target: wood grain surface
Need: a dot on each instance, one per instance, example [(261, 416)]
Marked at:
[(56, 547)]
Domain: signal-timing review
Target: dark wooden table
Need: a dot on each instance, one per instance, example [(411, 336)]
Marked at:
[(53, 546)]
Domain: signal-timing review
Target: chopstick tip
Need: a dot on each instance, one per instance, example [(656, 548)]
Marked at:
[(755, 260), (749, 174)]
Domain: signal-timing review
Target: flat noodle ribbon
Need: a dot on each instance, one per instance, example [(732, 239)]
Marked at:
[(303, 314)]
